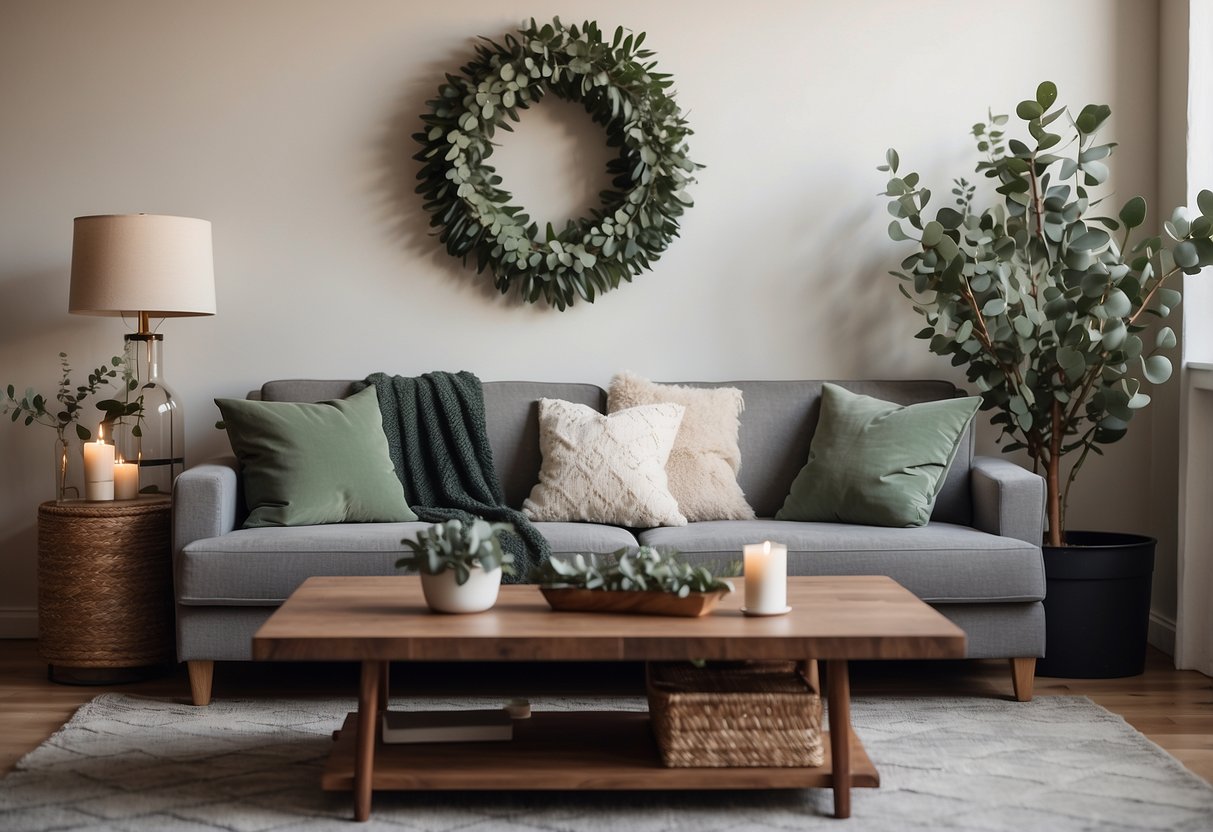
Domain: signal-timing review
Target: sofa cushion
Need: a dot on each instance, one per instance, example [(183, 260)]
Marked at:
[(573, 538), (875, 462), (938, 562), (704, 461), (264, 566), (605, 469), (780, 418), (305, 463), (251, 567)]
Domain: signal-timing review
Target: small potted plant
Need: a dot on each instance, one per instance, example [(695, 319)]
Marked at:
[(460, 565)]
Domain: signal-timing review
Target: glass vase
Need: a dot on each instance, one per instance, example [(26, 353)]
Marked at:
[(156, 440), (64, 488)]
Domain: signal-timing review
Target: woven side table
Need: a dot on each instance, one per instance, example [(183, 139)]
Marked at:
[(105, 589)]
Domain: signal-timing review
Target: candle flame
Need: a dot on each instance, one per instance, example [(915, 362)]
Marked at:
[(766, 547), (101, 434)]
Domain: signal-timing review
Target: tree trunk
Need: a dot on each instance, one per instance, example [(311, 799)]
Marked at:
[(1053, 481), (1053, 500)]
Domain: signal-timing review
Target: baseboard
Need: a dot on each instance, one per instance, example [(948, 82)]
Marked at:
[(18, 622), (1162, 632)]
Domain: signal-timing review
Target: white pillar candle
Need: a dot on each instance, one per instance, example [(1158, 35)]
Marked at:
[(98, 469), (126, 480), (766, 578)]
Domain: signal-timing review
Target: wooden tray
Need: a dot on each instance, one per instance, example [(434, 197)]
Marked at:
[(641, 603)]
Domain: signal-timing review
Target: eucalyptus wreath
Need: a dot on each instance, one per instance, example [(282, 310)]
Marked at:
[(622, 91)]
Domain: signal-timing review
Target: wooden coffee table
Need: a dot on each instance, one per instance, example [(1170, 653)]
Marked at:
[(378, 620)]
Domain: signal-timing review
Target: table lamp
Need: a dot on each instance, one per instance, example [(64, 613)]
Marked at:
[(145, 266)]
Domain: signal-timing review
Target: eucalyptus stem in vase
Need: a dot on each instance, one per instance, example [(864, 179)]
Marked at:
[(61, 413), (125, 415)]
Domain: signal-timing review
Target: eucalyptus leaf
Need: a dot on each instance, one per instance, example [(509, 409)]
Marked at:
[(1096, 173), (1029, 110), (1091, 240), (994, 306), (1117, 304), (949, 218), (1046, 94), (1157, 368), (1185, 255), (1204, 201), (1133, 213)]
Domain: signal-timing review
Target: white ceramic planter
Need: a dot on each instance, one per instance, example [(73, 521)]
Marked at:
[(477, 595)]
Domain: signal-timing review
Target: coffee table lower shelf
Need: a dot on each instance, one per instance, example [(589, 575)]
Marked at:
[(561, 751)]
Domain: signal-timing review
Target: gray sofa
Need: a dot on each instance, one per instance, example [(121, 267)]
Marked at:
[(978, 561)]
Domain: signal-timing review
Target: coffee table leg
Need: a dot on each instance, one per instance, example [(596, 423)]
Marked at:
[(368, 719), (839, 701)]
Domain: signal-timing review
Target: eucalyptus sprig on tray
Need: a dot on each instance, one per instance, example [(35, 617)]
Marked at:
[(646, 569)]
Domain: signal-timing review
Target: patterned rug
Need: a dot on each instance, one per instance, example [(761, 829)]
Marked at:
[(1058, 763)]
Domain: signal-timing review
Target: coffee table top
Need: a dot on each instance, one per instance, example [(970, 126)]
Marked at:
[(385, 618)]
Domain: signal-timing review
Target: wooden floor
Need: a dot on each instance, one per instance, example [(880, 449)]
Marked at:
[(1172, 707)]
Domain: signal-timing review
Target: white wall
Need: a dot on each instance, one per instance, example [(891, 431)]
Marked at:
[(286, 123)]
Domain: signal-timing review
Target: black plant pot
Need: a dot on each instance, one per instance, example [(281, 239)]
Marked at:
[(1097, 606)]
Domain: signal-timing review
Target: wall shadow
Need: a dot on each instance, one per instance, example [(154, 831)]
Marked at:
[(869, 322), (401, 205), (582, 174)]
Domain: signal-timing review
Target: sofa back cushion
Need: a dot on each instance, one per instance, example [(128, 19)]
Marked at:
[(777, 426), (511, 413)]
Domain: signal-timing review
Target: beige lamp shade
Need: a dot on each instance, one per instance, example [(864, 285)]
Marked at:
[(126, 264)]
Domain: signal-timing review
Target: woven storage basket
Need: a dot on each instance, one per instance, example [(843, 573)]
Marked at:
[(105, 583), (741, 714)]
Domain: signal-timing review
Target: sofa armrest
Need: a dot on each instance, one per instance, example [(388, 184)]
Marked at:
[(1008, 500), (205, 502)]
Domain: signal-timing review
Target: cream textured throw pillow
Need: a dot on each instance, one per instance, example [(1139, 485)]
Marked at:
[(705, 460), (605, 469)]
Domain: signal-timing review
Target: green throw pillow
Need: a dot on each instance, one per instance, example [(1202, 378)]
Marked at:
[(306, 464), (875, 462)]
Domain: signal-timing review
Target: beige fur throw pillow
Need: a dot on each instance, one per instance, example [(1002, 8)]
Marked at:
[(705, 460), (605, 469)]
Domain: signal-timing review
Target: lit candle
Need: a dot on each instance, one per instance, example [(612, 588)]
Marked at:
[(98, 468), (766, 578), (126, 480)]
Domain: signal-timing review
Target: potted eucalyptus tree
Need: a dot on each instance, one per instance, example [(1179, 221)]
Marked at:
[(1051, 305)]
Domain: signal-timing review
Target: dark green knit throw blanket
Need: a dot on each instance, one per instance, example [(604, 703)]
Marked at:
[(440, 447)]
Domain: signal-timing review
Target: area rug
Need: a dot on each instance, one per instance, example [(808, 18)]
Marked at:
[(1058, 763)]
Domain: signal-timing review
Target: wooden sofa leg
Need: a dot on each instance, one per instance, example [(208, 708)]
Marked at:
[(1023, 675), (201, 674)]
